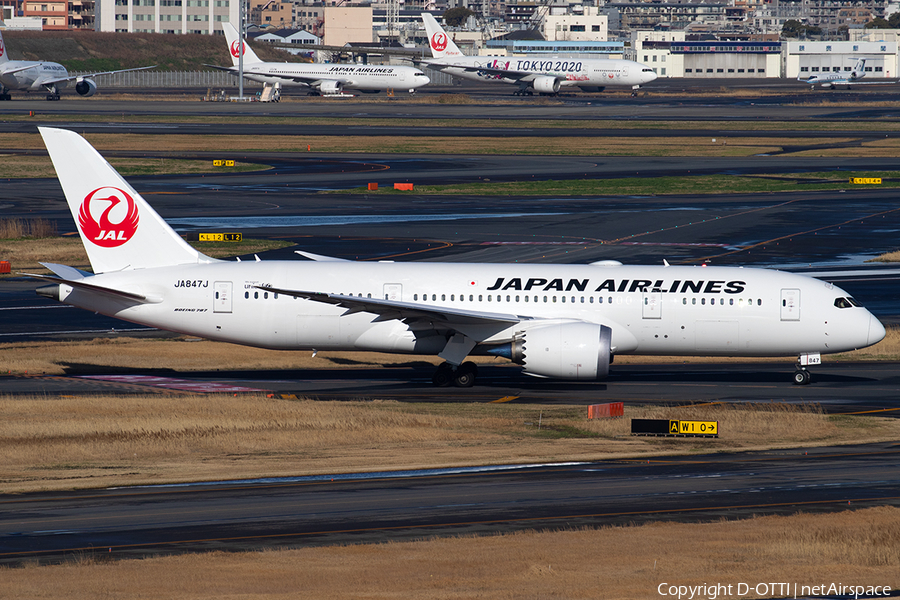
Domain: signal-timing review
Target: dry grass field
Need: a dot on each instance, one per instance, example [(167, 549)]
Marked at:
[(27, 253), (591, 146), (888, 257), (65, 442)]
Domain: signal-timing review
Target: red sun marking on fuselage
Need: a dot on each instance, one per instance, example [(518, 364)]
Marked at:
[(102, 232), (439, 41)]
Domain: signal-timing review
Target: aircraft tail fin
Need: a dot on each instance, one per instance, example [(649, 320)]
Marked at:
[(235, 44), (118, 228), (4, 55), (441, 44), (859, 70)]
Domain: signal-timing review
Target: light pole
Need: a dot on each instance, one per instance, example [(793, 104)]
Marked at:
[(241, 50)]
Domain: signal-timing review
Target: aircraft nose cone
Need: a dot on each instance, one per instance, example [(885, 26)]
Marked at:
[(876, 330)]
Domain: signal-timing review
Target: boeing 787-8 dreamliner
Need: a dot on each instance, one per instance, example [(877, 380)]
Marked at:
[(561, 321)]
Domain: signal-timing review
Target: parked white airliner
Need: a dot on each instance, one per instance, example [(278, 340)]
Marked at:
[(562, 321), (34, 75), (321, 78), (531, 74)]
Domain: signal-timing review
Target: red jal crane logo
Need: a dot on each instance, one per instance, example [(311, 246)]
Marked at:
[(1, 47), (439, 41), (103, 231), (236, 48)]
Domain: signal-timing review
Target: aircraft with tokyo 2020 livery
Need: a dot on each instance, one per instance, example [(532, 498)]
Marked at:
[(556, 320), (319, 78), (34, 75), (544, 75)]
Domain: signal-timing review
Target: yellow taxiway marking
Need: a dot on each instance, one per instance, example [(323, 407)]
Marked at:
[(503, 399)]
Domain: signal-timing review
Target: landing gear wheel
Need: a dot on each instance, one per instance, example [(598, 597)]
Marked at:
[(443, 376), (465, 375), (802, 377)]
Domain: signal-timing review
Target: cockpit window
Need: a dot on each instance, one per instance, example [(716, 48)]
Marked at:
[(846, 302)]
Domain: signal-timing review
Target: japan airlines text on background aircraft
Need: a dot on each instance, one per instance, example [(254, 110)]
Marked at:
[(321, 78), (832, 80), (544, 75), (561, 321), (34, 75)]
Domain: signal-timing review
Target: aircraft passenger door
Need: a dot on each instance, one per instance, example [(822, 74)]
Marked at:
[(222, 292), (790, 304), (393, 291), (652, 305)]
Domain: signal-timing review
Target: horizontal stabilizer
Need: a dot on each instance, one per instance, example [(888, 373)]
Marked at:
[(99, 289), (67, 272), (320, 257)]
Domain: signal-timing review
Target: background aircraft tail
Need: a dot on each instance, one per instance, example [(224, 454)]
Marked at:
[(4, 55), (235, 43), (118, 228), (859, 69), (441, 44)]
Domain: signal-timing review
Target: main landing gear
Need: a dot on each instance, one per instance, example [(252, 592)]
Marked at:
[(52, 93), (462, 376)]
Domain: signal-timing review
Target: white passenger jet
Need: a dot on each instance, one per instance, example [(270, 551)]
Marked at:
[(34, 75), (543, 75), (832, 80), (320, 78), (560, 321)]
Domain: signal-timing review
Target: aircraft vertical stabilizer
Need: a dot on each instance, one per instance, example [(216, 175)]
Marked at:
[(235, 44), (118, 227), (4, 55), (441, 44)]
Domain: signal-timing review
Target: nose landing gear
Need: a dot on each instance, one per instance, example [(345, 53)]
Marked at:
[(801, 375)]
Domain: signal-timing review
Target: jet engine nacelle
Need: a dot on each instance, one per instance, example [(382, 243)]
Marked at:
[(86, 87), (569, 350), (330, 87), (546, 85)]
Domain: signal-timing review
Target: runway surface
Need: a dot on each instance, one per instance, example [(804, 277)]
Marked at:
[(375, 507)]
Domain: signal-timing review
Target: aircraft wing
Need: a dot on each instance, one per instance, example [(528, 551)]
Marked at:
[(25, 68), (403, 311), (91, 75), (508, 73), (310, 81)]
